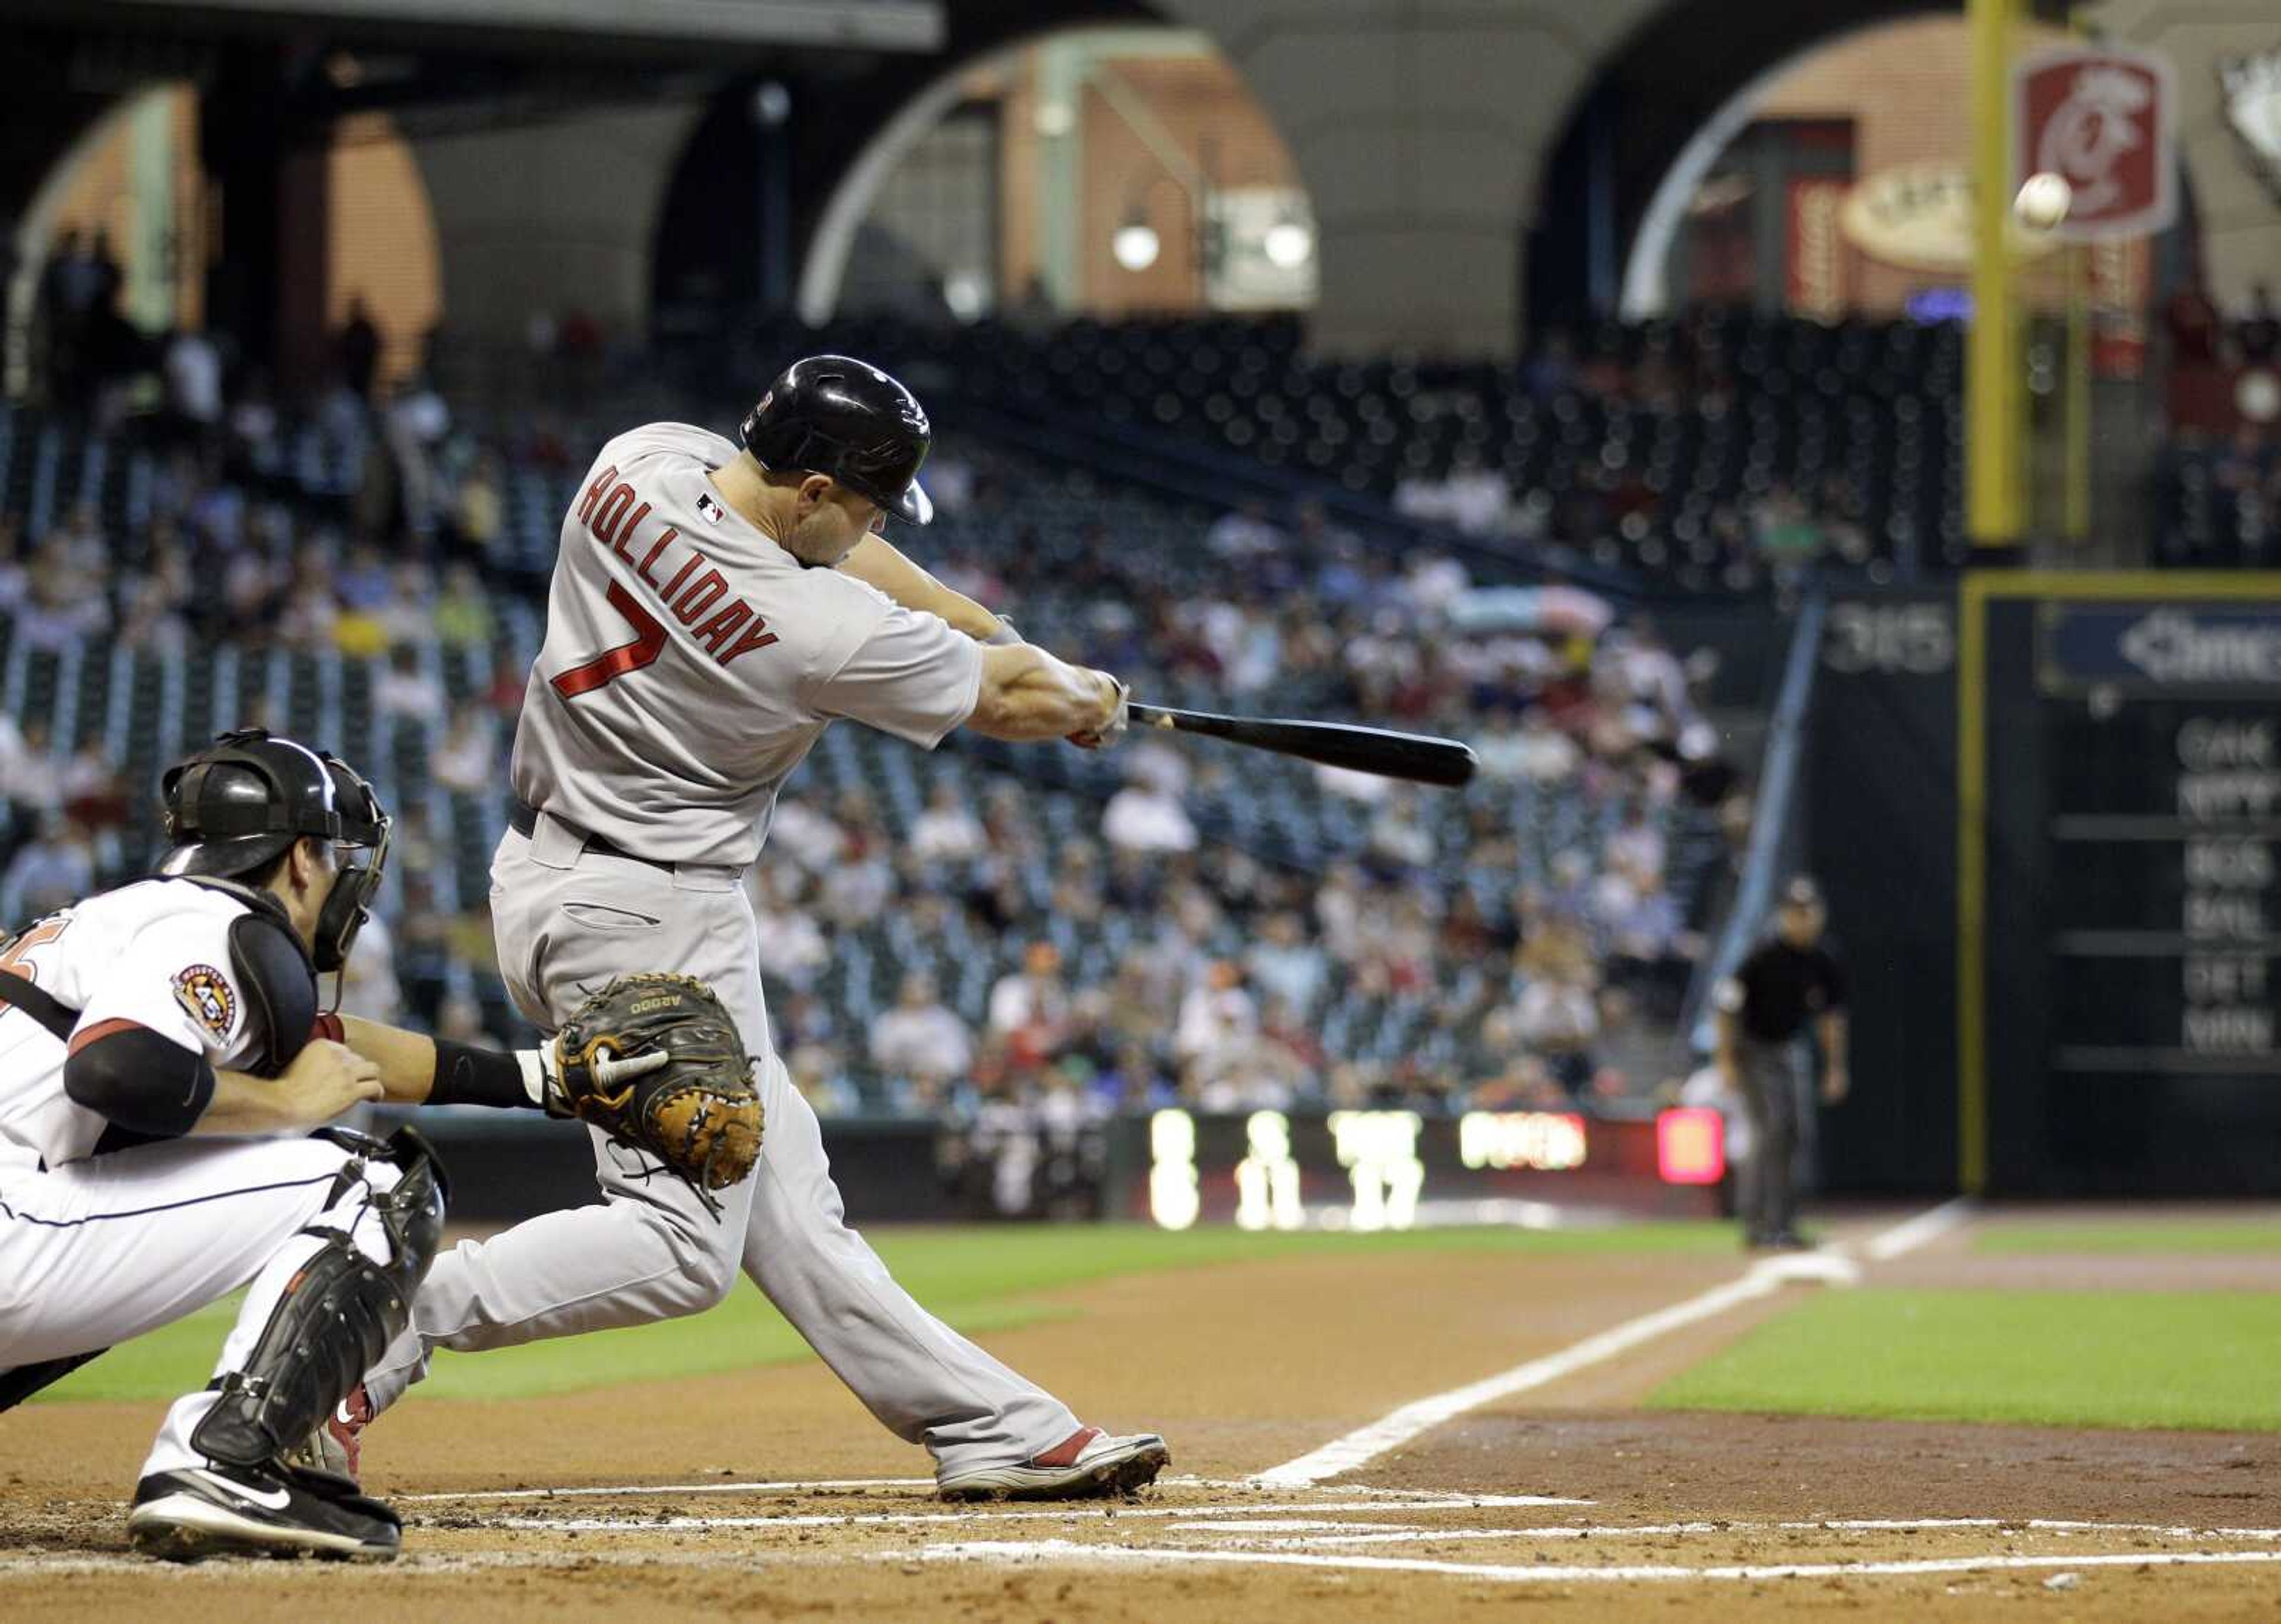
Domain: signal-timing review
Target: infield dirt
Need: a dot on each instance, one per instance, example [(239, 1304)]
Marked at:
[(1566, 1504)]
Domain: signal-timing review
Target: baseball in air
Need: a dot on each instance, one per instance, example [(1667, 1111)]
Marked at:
[(2043, 201)]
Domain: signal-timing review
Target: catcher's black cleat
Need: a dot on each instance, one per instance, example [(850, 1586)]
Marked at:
[(277, 1511)]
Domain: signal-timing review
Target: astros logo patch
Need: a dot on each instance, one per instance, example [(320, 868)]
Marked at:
[(202, 992)]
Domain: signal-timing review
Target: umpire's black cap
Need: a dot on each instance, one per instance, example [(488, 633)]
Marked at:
[(835, 415)]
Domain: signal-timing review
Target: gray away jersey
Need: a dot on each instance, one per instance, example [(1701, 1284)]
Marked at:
[(690, 662)]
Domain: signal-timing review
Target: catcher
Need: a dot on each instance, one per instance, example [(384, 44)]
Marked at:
[(163, 1057)]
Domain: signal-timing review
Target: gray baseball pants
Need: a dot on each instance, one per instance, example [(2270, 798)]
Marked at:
[(1767, 1075), (567, 921)]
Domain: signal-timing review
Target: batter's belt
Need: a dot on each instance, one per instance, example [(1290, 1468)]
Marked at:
[(522, 817)]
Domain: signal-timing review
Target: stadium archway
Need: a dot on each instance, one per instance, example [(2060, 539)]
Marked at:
[(380, 249), (58, 170), (1417, 135), (1769, 170), (1651, 104), (134, 181), (1093, 170)]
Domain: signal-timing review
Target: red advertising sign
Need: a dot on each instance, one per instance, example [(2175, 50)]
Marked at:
[(1690, 1145), (2099, 116)]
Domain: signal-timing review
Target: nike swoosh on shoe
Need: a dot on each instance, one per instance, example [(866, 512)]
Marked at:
[(275, 1499)]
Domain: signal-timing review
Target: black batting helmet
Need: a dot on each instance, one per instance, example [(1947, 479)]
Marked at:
[(234, 807), (835, 415)]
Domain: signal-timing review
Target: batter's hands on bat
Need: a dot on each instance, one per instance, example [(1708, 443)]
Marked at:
[(1111, 729)]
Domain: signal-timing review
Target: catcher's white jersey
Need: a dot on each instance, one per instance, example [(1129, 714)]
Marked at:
[(690, 662), (154, 954)]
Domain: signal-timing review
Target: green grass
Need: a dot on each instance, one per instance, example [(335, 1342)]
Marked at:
[(2142, 1236), (2061, 1359), (979, 1279)]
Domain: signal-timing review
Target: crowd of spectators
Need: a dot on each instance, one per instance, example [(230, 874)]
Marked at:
[(2217, 487), (1519, 970), (2218, 490), (1404, 945), (1784, 527), (2223, 499), (1724, 451), (2202, 334)]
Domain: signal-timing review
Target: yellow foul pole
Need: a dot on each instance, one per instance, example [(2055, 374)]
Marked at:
[(1993, 453)]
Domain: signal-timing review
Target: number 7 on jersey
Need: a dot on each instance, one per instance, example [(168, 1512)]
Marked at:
[(612, 663)]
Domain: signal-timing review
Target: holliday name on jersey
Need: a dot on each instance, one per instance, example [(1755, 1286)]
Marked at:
[(693, 589)]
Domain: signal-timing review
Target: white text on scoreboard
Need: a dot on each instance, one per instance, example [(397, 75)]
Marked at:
[(1379, 1150), (1543, 1141), (1267, 1178), (1173, 1200)]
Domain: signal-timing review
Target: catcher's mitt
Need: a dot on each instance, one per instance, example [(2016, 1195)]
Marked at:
[(655, 1061)]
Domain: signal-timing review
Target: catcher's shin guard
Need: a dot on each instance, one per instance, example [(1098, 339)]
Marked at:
[(334, 1319)]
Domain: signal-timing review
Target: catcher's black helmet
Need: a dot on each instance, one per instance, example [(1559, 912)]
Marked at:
[(835, 415), (241, 804)]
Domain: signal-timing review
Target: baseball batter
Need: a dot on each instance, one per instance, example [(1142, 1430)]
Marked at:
[(713, 608), (138, 1026)]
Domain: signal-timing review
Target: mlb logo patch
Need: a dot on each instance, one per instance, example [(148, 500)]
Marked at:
[(709, 510)]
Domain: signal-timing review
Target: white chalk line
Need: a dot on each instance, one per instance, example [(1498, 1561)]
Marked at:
[(232, 1572), (883, 1487), (235, 1570), (1458, 1497), (1366, 1444), (1071, 1550), (1306, 1533), (1308, 1519), (1071, 1512), (1434, 1536), (1283, 1551), (2039, 1525), (824, 1485), (1921, 1230)]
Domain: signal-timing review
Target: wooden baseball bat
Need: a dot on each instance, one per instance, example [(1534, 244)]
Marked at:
[(1418, 757)]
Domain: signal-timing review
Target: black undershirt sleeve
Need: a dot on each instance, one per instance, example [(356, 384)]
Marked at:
[(135, 1079), (466, 1075)]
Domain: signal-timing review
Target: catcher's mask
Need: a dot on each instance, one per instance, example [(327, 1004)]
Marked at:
[(237, 807)]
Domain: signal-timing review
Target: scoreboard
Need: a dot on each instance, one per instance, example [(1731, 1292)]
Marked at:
[(2125, 827), (1393, 1168), (2169, 839)]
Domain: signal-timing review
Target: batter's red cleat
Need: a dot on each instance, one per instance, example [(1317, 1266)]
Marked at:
[(338, 1446), (1087, 1464)]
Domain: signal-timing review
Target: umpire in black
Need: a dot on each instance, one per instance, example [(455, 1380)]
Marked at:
[(1790, 981)]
